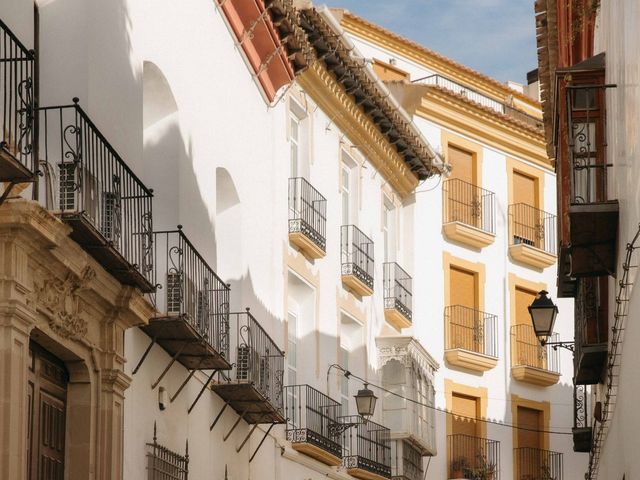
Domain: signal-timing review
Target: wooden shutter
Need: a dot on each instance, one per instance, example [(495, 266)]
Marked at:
[(467, 408), (524, 298), (524, 189), (530, 419), (463, 164), (463, 288)]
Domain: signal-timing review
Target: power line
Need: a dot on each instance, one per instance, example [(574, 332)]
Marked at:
[(348, 374)]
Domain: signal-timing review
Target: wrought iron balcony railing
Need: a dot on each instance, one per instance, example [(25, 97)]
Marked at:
[(89, 185), (473, 457), (17, 84), (537, 464), (308, 213), (527, 351), (254, 385), (366, 446), (469, 204), (189, 289), (591, 330), (357, 255), (398, 289), (310, 416), (471, 329), (408, 461), (531, 226), (582, 429)]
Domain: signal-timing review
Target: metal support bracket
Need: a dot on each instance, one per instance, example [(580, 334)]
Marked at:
[(204, 387), (7, 191), (226, 436), (266, 434), (175, 395), (144, 356), (255, 425), (173, 360), (215, 420)]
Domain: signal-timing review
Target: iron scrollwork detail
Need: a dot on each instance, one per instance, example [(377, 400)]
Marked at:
[(26, 114)]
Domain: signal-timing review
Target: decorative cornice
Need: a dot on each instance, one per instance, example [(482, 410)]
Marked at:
[(475, 121), (350, 119), (408, 351), (428, 58)]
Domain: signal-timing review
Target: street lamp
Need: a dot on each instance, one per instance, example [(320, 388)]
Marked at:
[(365, 402), (543, 315)]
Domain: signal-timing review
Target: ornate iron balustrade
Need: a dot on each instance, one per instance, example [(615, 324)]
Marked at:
[(527, 351), (537, 464), (469, 204), (407, 466), (590, 330), (357, 254), (310, 415), (587, 143), (307, 212), (190, 289), (398, 287), (582, 430), (256, 362), (164, 464), (471, 329), (531, 226), (474, 457), (90, 186), (367, 446), (17, 84)]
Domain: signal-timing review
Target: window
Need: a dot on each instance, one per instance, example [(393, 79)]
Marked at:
[(351, 355), (389, 230), (349, 183), (292, 342), (299, 141), (344, 381)]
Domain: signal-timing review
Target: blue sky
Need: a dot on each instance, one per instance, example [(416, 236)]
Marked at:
[(496, 37)]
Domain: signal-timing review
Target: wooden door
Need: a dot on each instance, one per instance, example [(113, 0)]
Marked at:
[(46, 399), (464, 429), (526, 218), (463, 200), (529, 442), (465, 322)]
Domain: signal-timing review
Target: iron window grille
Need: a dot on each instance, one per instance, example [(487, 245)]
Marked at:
[(475, 457), (531, 226), (357, 254), (535, 463), (471, 329), (310, 415), (18, 118), (307, 211), (407, 464), (469, 204), (398, 286), (165, 464)]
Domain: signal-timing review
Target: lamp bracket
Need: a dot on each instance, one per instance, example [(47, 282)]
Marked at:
[(336, 429), (571, 346)]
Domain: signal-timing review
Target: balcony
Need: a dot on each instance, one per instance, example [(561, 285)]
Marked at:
[(582, 430), (407, 463), (530, 361), (537, 464), (90, 187), (532, 236), (469, 213), (310, 417), (592, 215), (18, 108), (473, 457), (367, 449), (253, 387), (357, 260), (397, 296), (307, 218), (192, 324), (471, 338), (591, 330)]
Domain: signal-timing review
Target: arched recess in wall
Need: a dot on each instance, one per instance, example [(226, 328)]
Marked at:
[(164, 147), (228, 228)]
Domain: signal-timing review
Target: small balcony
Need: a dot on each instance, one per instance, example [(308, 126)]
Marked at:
[(18, 110), (357, 260), (591, 330), (253, 387), (537, 464), (582, 430), (91, 188), (530, 361), (469, 213), (307, 218), (532, 236), (471, 338), (310, 417), (367, 449), (407, 464), (192, 323), (473, 457), (397, 296)]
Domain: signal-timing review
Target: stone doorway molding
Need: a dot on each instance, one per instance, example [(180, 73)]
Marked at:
[(53, 292)]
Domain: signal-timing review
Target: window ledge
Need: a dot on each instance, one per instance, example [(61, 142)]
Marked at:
[(534, 375), (467, 234), (396, 318), (532, 256), (306, 245), (477, 362)]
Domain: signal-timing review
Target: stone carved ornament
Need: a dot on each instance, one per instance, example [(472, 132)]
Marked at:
[(59, 299)]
